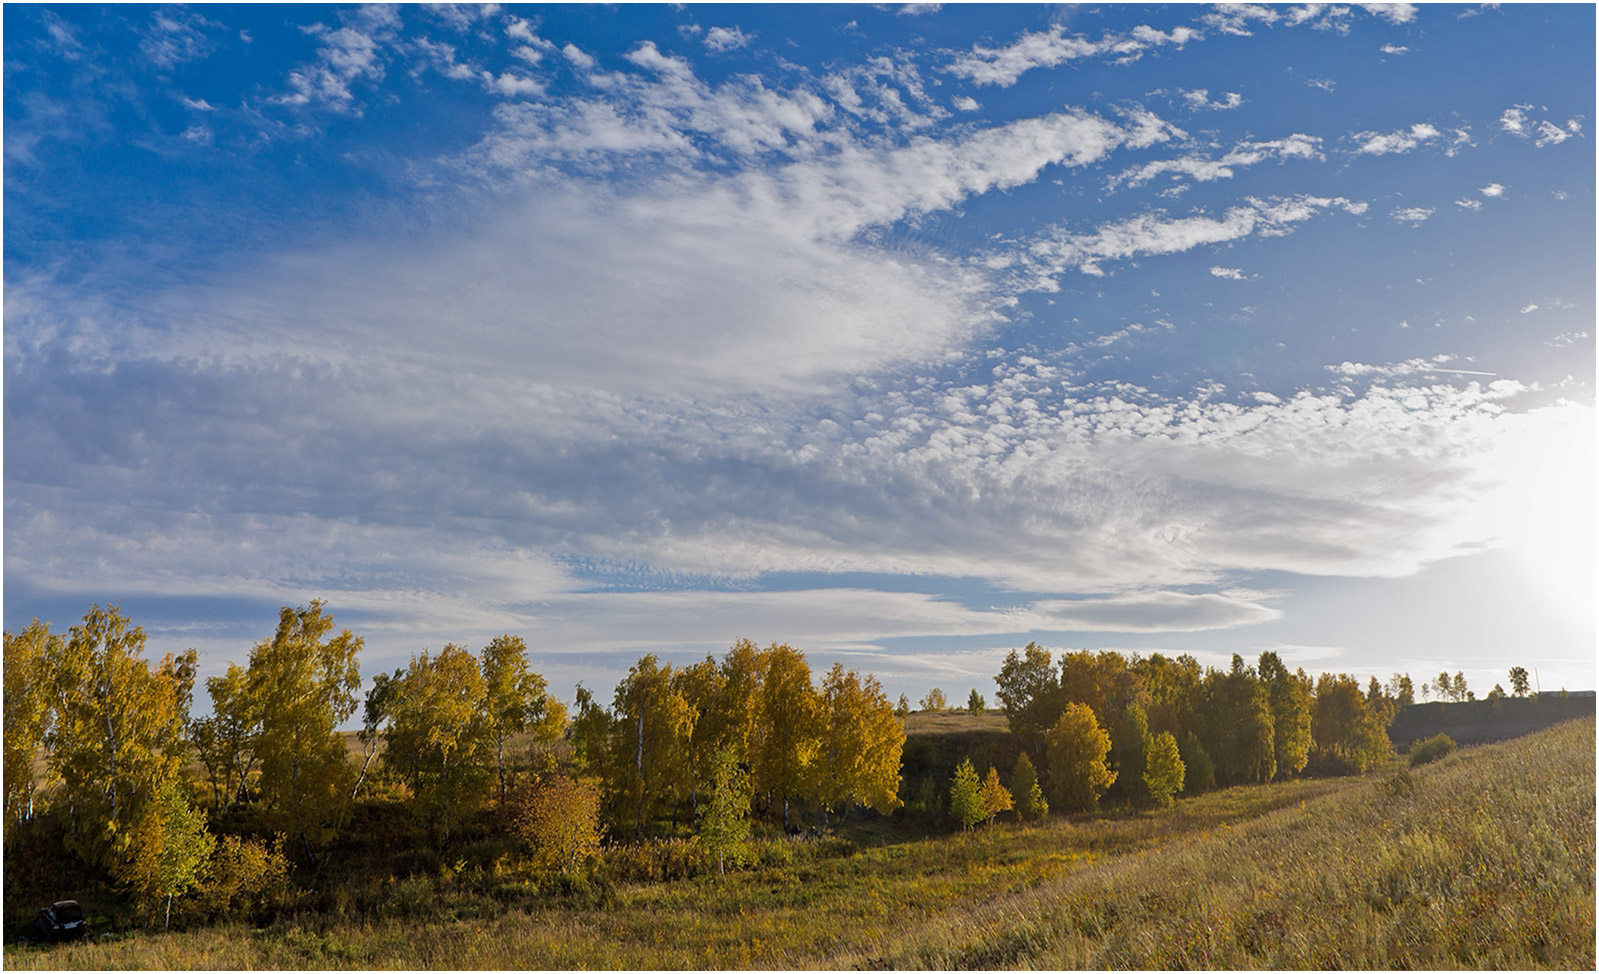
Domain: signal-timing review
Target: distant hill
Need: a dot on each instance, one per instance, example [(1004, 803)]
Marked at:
[(1483, 721)]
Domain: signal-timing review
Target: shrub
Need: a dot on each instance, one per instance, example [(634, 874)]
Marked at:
[(1431, 749), (247, 879), (559, 818)]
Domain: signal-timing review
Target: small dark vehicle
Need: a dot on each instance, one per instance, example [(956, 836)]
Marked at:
[(62, 920)]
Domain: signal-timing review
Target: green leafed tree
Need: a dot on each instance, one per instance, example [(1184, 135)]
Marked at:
[(169, 849), (305, 684), (1163, 769), (724, 828), (975, 703), (966, 795), (1076, 749), (1129, 749), (1199, 772), (1288, 699), (1518, 680), (1030, 693), (1029, 797), (1237, 726)]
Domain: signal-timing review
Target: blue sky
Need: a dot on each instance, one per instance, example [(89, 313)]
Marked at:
[(905, 335)]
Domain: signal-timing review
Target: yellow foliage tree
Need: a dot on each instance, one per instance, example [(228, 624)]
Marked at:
[(1163, 771), (858, 757), (304, 685), (785, 732), (226, 741), (118, 734), (438, 738), (649, 740), (515, 699), (1076, 748), (27, 715), (996, 797)]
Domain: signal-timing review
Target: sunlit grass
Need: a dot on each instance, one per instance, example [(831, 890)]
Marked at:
[(1484, 859)]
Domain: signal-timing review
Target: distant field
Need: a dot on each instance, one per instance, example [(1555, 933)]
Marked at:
[(1482, 860), (954, 722)]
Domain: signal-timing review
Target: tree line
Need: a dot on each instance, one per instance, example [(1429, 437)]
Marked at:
[(1144, 728), (164, 802), (129, 776)]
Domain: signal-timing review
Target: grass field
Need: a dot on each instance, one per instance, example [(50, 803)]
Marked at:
[(1484, 859)]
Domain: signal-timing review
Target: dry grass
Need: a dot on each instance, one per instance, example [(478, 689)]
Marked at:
[(922, 722), (1484, 859)]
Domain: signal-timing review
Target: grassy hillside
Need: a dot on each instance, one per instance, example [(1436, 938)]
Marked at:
[(1484, 859)]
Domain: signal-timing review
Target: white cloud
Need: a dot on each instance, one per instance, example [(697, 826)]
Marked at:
[(518, 29), (1411, 214), (966, 103), (1543, 132), (1403, 140), (1493, 189), (1157, 233), (1551, 134), (578, 57), (1325, 84), (1201, 169), (1514, 120), (345, 56), (1469, 204), (1047, 48), (722, 39), (176, 36), (1235, 18), (1394, 13), (1199, 98), (916, 9), (1394, 49), (1529, 309), (1230, 273)]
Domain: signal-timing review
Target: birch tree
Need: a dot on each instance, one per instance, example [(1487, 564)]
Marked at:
[(305, 685)]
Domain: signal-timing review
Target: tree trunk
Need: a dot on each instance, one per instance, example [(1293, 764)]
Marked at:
[(639, 765)]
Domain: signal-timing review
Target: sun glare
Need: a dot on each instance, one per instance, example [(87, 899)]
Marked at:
[(1546, 509)]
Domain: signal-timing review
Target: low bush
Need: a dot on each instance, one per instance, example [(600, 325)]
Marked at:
[(1431, 749)]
